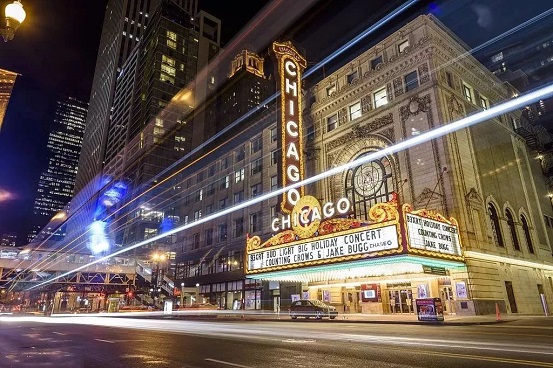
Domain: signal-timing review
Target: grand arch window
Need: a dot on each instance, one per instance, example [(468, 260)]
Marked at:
[(512, 229), (496, 229), (369, 184), (526, 230)]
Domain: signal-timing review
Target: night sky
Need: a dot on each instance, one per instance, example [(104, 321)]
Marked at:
[(55, 53)]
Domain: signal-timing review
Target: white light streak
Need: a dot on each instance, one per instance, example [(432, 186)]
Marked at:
[(438, 132)]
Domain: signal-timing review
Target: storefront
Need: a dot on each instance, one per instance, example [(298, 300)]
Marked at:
[(379, 266)]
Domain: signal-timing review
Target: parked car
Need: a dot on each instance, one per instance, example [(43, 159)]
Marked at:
[(312, 308)]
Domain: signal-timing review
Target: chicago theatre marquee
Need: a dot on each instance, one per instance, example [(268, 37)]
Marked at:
[(420, 223)]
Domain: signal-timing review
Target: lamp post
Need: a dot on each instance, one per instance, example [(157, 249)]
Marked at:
[(197, 293), (157, 258), (15, 15), (181, 294)]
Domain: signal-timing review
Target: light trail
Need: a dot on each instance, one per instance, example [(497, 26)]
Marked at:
[(358, 38), (349, 44), (438, 132), (253, 330)]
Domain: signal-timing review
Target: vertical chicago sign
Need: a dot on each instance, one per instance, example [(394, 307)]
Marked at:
[(290, 66)]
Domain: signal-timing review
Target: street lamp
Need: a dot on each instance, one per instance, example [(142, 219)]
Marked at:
[(157, 258), (181, 294), (15, 15)]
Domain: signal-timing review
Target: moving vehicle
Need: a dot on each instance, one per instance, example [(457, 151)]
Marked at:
[(312, 308)]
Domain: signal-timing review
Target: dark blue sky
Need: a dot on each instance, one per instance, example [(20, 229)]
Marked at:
[(55, 53)]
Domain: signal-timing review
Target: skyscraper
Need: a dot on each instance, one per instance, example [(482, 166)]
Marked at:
[(124, 24), (144, 136), (125, 21), (7, 80), (55, 187)]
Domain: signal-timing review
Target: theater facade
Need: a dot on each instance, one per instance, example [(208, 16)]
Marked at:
[(463, 217)]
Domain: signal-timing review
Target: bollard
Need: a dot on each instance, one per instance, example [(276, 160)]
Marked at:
[(497, 314)]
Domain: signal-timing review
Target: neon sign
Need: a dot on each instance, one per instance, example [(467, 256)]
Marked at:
[(290, 66)]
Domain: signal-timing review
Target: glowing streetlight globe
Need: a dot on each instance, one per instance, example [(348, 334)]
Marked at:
[(15, 12)]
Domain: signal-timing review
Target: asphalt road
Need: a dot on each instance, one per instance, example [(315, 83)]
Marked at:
[(106, 342)]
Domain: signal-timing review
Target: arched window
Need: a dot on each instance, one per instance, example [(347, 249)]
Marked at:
[(369, 184), (526, 230), (496, 229), (512, 229)]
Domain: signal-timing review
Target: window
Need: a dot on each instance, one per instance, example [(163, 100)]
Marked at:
[(331, 90), (274, 157), (256, 189), (310, 133), (211, 171), (256, 144), (512, 229), (273, 211), (225, 182), (353, 76), (239, 175), (375, 62), (274, 182), (449, 79), (224, 163), (210, 189), (223, 203), (273, 134), (527, 235), (209, 209), (222, 232), (380, 97), (257, 166), (172, 40), (496, 227), (199, 195), (467, 92), (331, 122), (238, 227), (200, 177), (255, 222), (240, 153), (196, 241), (355, 111), (209, 237), (484, 103), (369, 184), (402, 46), (239, 196), (411, 81), (197, 215)]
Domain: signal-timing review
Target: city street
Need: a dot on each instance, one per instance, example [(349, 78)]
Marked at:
[(131, 342)]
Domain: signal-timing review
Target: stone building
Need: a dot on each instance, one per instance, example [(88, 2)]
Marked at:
[(484, 182)]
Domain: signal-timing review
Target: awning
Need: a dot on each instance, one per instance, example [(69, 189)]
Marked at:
[(396, 265)]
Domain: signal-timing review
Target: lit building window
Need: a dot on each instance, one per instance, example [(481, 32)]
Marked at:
[(355, 111), (380, 97), (484, 103), (172, 40), (467, 92)]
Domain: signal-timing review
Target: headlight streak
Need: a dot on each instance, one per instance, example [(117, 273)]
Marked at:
[(262, 105), (438, 132), (255, 331)]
